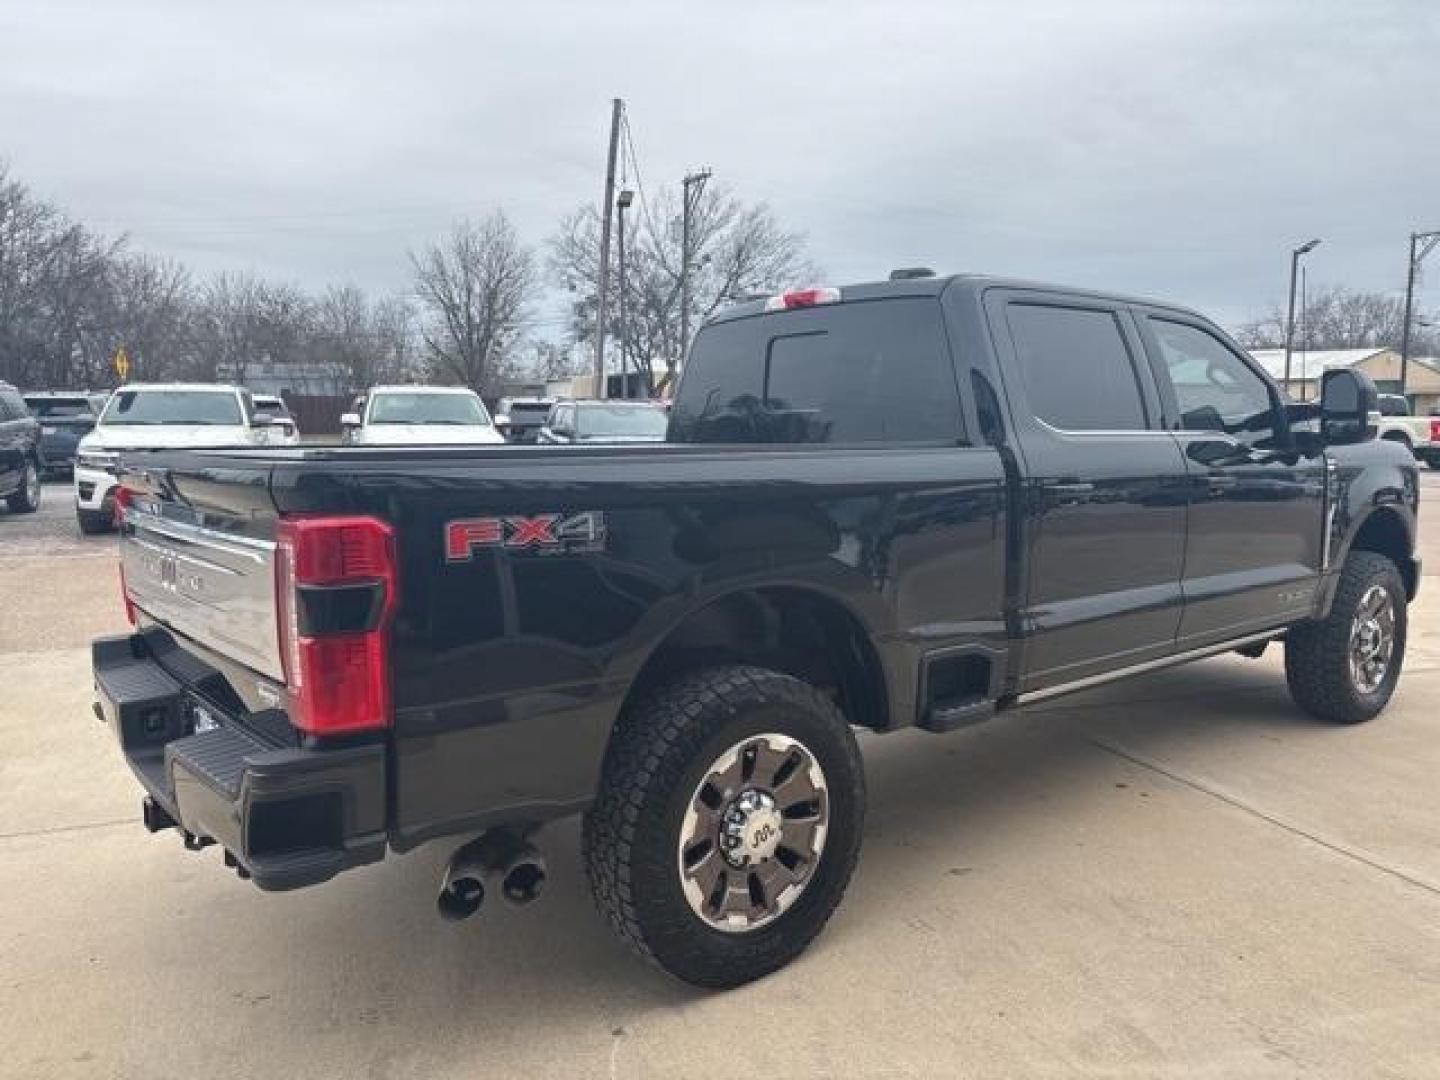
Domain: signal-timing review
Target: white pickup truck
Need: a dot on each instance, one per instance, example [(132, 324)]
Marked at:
[(419, 416), (156, 416), (1421, 434)]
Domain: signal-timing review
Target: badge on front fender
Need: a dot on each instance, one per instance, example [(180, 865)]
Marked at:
[(541, 534)]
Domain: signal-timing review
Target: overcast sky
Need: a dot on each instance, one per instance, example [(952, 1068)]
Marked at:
[(1172, 149)]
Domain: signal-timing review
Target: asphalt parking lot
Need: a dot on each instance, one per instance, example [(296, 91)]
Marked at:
[(1177, 875)]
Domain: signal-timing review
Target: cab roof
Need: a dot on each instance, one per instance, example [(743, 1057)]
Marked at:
[(401, 388), (934, 285), (214, 388)]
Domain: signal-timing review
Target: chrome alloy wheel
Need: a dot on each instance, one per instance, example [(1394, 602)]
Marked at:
[(753, 833), (1372, 639), (32, 485)]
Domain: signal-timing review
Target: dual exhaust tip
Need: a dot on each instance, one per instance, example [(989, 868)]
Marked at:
[(499, 859)]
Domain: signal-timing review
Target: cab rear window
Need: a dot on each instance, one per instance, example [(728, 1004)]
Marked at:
[(875, 371)]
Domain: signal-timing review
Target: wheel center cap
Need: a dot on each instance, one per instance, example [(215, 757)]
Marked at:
[(752, 829)]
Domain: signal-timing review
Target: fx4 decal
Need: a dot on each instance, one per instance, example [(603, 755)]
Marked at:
[(542, 534)]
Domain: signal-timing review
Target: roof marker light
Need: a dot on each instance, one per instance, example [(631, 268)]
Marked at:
[(802, 298)]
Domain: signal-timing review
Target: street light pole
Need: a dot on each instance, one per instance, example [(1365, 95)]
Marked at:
[(617, 109), (688, 204), (1421, 244), (1303, 249), (622, 203)]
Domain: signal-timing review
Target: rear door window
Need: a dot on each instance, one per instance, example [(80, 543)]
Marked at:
[(1077, 369), (876, 371)]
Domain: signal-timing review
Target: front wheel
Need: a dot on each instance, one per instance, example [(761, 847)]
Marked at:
[(26, 499), (727, 824), (1344, 668)]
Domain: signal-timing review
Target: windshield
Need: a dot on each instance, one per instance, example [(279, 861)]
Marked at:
[(528, 412), (644, 420), (274, 406), (428, 409), (53, 407), (133, 408)]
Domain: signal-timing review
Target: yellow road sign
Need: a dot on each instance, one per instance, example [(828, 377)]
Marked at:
[(122, 363)]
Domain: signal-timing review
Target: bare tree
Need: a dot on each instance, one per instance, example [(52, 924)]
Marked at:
[(735, 249), (241, 320), (364, 342), (145, 306), (476, 286), (1339, 318)]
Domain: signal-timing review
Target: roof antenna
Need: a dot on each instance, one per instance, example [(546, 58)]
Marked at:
[(910, 273)]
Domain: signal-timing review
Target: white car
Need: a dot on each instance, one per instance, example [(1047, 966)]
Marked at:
[(418, 416), (282, 430), (152, 417)]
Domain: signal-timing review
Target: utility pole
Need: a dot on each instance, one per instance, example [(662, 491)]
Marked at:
[(1421, 244), (621, 205), (1303, 249), (688, 202), (607, 209)]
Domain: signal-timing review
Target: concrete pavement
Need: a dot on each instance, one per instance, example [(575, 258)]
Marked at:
[(1177, 875)]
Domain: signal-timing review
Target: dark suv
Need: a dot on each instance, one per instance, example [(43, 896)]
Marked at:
[(21, 460), (65, 418)]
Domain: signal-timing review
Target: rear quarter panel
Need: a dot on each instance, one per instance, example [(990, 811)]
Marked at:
[(511, 665)]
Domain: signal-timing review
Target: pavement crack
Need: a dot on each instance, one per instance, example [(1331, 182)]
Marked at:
[(52, 829), (1333, 846)]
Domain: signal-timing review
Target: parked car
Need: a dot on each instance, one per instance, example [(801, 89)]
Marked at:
[(909, 504), (65, 418), (22, 460), (420, 415), (151, 415), (282, 430), (1419, 434), (614, 422), (520, 419)]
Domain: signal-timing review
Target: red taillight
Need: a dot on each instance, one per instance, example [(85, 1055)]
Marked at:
[(802, 298), (337, 668), (1435, 429), (123, 497)]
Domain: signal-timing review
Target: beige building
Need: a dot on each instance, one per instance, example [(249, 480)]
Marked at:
[(1382, 365)]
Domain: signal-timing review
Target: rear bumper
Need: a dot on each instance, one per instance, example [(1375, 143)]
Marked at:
[(287, 816)]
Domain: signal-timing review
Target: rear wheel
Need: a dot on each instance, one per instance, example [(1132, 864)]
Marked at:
[(1344, 668), (93, 522), (26, 499), (727, 824)]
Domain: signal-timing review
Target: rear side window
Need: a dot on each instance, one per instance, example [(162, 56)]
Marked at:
[(876, 371), (57, 407), (1077, 369)]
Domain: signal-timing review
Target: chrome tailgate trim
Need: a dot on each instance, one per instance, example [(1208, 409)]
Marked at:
[(217, 588)]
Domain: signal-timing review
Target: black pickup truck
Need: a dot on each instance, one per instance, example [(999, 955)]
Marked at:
[(911, 503)]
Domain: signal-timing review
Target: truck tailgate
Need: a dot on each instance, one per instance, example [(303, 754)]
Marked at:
[(217, 588)]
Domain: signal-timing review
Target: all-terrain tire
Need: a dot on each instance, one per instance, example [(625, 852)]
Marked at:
[(658, 754), (1317, 655)]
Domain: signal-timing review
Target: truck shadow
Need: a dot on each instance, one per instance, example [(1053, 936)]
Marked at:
[(369, 950)]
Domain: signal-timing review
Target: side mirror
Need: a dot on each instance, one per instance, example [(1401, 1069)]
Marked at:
[(1349, 407), (262, 419), (350, 419)]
